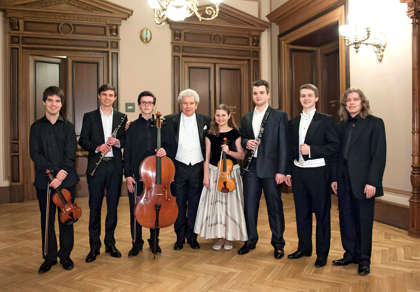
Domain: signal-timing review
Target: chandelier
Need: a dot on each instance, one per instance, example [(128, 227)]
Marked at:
[(357, 36), (179, 10)]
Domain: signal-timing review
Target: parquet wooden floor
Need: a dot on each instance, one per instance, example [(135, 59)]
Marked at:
[(395, 260)]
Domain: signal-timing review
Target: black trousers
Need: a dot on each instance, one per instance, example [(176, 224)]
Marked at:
[(356, 221), (187, 189), (66, 231), (131, 200), (253, 187), (311, 191), (107, 179)]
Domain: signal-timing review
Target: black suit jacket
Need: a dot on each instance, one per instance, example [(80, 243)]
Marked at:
[(321, 137), (92, 135), (171, 133), (272, 151), (366, 157)]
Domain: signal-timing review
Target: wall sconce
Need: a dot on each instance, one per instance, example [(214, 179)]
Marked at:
[(356, 37), (179, 10)]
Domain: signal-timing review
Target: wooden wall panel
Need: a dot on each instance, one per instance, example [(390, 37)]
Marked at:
[(39, 29), (201, 79), (233, 39), (229, 84), (303, 70), (85, 85)]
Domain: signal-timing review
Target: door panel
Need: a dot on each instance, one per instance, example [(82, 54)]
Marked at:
[(229, 88), (46, 73), (200, 77), (330, 79), (303, 70), (218, 81), (85, 84), (79, 76)]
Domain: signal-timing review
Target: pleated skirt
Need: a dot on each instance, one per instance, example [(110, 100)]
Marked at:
[(221, 215)]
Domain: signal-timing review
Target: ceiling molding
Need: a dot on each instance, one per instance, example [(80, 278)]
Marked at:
[(229, 17), (109, 12), (295, 12)]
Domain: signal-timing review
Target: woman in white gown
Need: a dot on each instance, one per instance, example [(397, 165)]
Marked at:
[(221, 215)]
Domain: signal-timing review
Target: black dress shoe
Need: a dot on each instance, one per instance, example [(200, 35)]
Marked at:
[(151, 245), (298, 254), (364, 270), (178, 245), (342, 262), (113, 251), (46, 266), (92, 255), (278, 253), (194, 243), (320, 262), (67, 263), (135, 250), (246, 248)]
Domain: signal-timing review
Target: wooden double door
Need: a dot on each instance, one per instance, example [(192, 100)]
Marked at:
[(79, 75), (218, 81), (319, 66)]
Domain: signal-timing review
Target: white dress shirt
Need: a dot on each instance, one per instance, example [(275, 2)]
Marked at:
[(257, 118), (189, 147), (305, 121), (107, 126)]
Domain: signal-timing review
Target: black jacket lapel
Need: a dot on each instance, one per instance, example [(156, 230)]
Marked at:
[(99, 123), (176, 125), (313, 126)]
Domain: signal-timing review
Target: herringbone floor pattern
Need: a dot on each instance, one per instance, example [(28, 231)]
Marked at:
[(395, 260)]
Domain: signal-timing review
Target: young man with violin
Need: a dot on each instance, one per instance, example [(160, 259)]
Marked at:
[(263, 133), (313, 143), (140, 143), (103, 135), (52, 146)]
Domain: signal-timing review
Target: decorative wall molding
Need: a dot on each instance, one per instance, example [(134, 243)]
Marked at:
[(55, 27), (297, 12)]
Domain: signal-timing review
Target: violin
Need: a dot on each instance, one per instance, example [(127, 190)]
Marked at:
[(157, 207), (70, 212), (225, 182)]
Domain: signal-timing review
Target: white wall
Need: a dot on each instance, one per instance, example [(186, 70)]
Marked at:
[(144, 66), (388, 85), (150, 69)]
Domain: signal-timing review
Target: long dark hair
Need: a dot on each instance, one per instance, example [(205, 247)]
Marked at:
[(214, 128), (365, 111)]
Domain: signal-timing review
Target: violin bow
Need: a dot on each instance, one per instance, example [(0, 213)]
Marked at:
[(47, 221), (134, 213)]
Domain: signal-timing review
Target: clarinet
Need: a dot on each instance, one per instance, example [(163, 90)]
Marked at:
[(113, 135), (250, 154)]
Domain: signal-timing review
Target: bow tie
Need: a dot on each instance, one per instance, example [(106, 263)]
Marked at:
[(305, 116)]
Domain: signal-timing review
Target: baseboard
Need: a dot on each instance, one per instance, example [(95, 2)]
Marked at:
[(4, 195), (391, 213)]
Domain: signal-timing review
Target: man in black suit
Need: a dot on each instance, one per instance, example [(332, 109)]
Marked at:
[(52, 146), (267, 168), (184, 143), (141, 142), (357, 177), (97, 138), (313, 141)]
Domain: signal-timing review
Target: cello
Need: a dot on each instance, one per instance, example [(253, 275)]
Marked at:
[(157, 207), (225, 181)]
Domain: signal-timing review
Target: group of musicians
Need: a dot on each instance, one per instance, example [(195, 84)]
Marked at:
[(310, 153)]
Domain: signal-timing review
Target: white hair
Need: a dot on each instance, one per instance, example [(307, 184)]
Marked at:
[(188, 92)]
